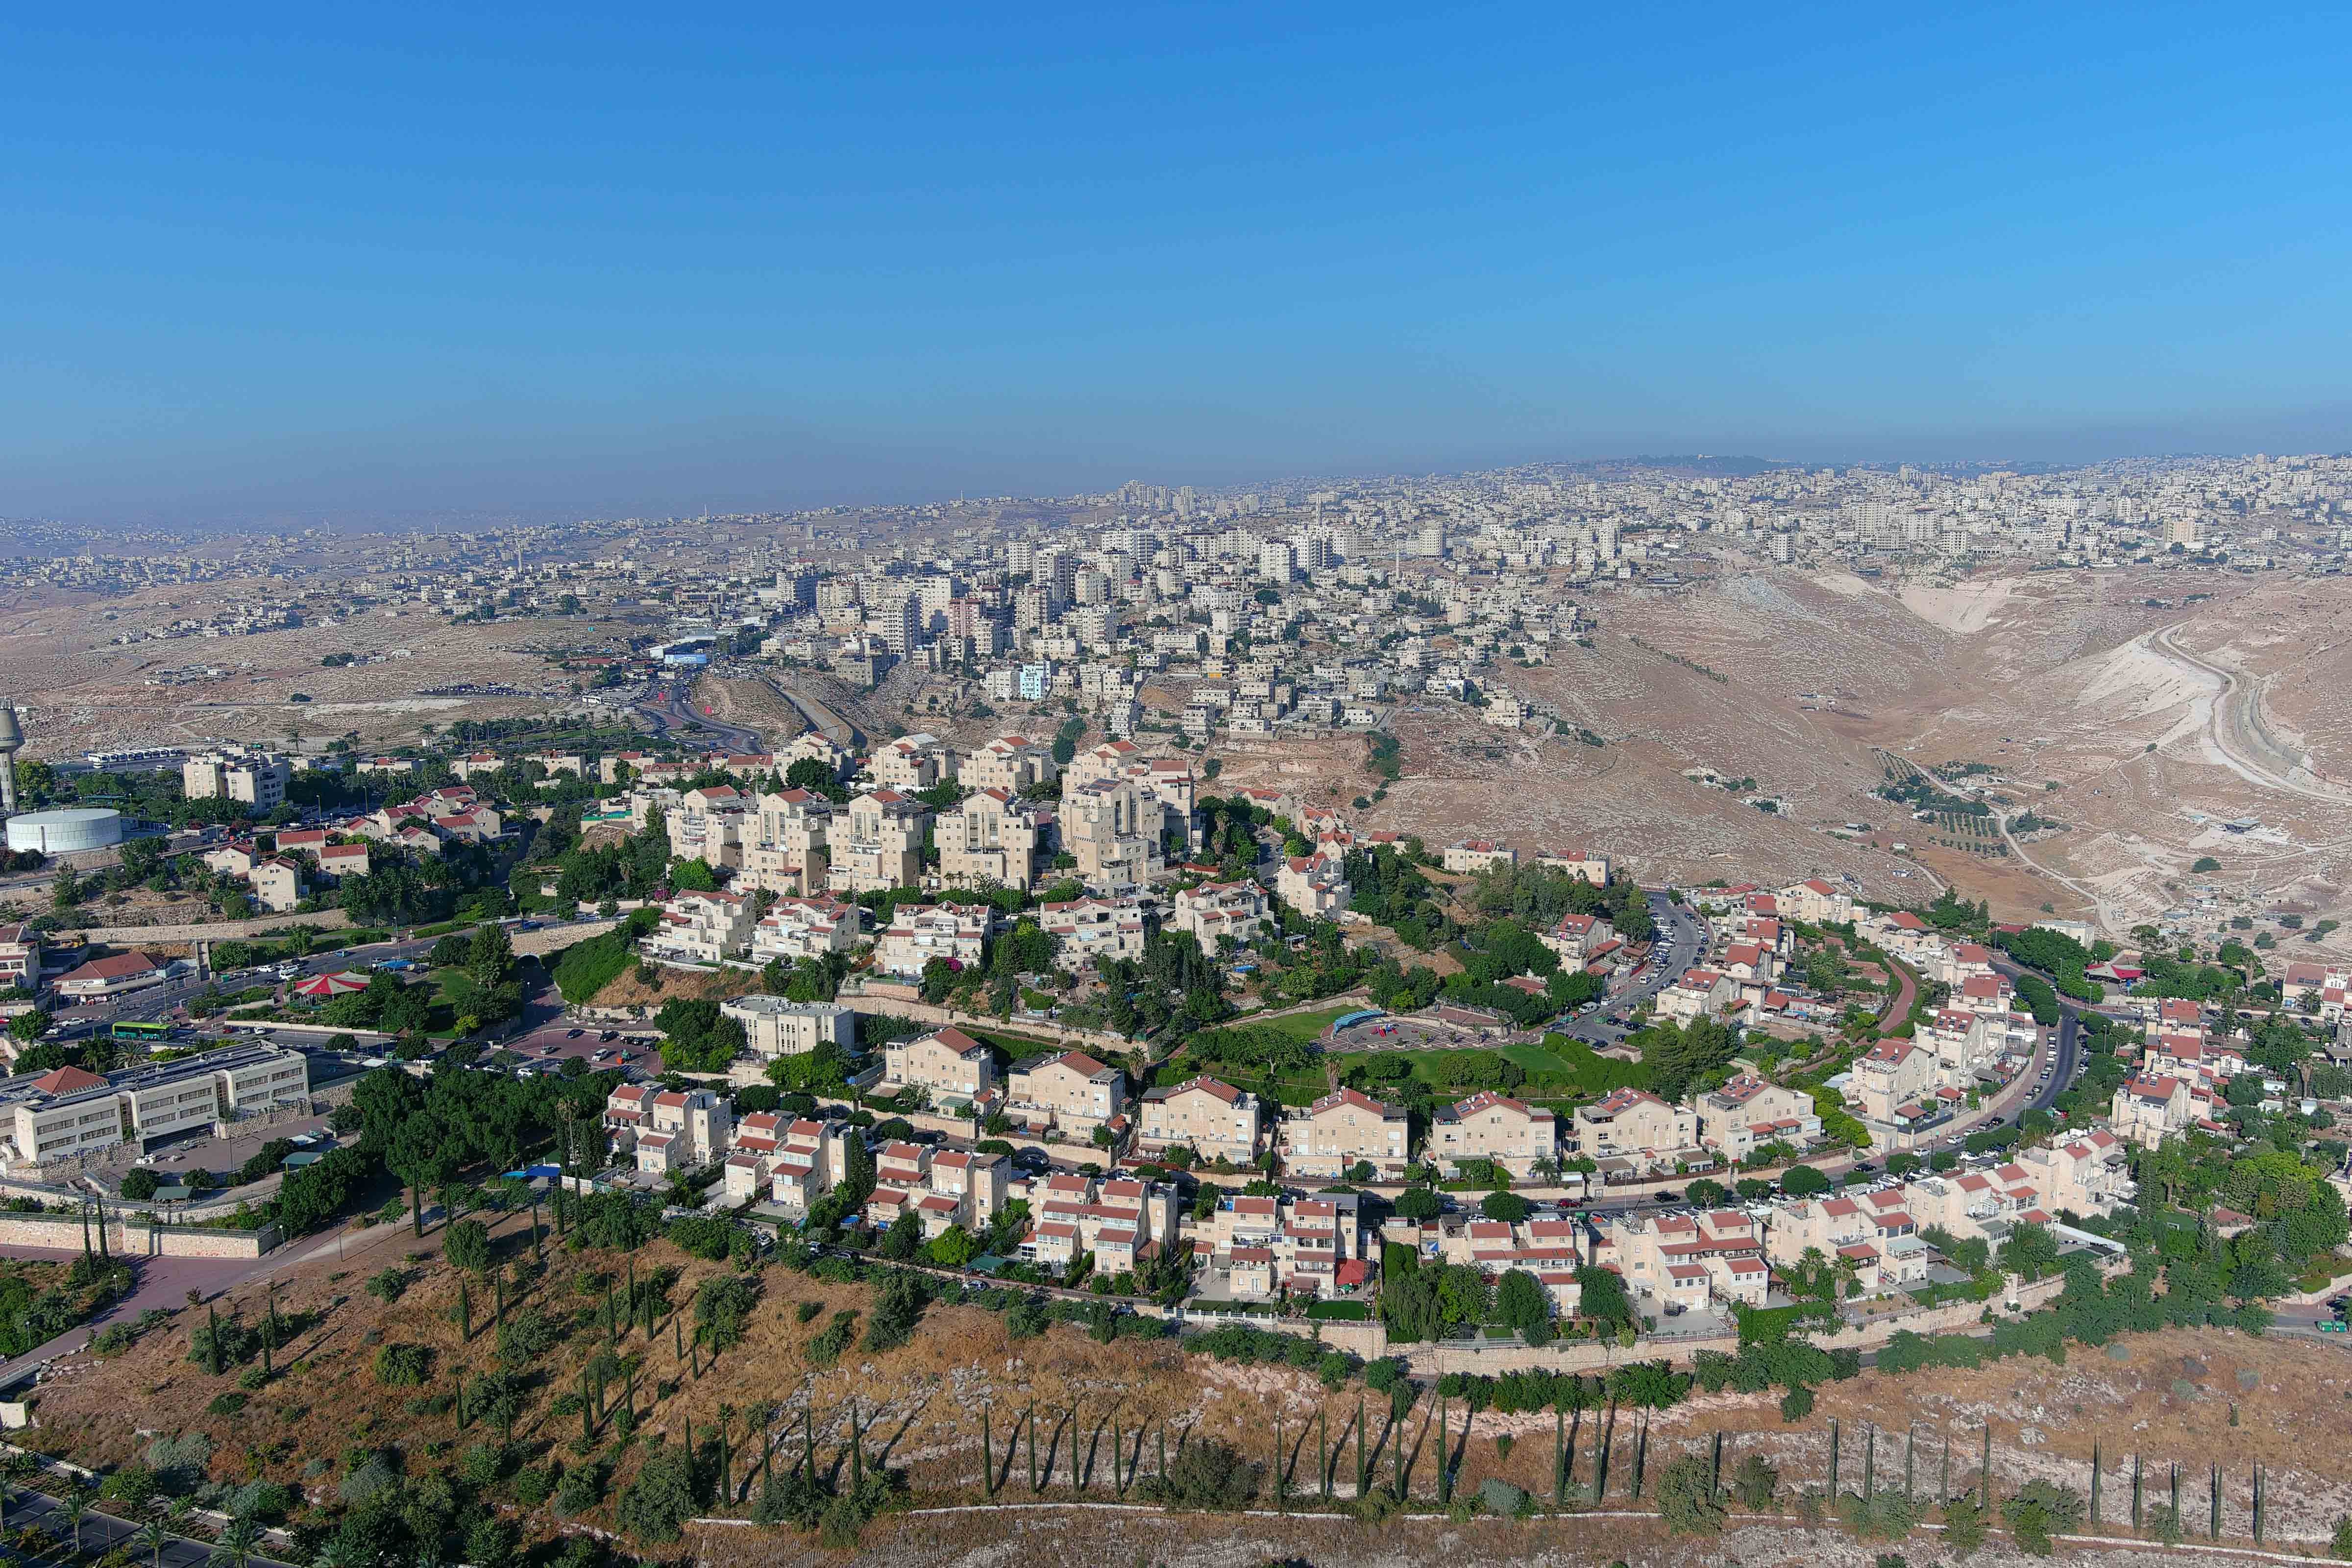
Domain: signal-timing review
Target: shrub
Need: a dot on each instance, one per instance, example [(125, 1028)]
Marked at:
[(402, 1367), (1205, 1475), (482, 1464), (228, 1404), (581, 1488), (656, 1506), (1964, 1524), (2040, 1510), (388, 1285), (1755, 1483), (1686, 1499)]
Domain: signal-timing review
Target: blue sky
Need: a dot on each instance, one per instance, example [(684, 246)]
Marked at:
[(399, 260)]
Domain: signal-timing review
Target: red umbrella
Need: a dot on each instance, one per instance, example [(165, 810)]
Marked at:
[(320, 987)]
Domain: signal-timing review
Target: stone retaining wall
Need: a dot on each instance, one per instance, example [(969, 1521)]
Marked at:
[(131, 1236)]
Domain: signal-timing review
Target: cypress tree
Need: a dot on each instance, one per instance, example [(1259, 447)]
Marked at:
[(2258, 1505), (1363, 1463), (415, 1210), (1162, 1471), (857, 1452), (1323, 1452), (2213, 1497), (1910, 1448), (1559, 1455), (538, 1242), (2094, 1481), (987, 1455), (2136, 1491), (465, 1310), (1943, 1476), (1869, 1462), (611, 1322), (1984, 1472), (2176, 1489), (587, 1412), (1396, 1456), (1835, 1435), (1444, 1469)]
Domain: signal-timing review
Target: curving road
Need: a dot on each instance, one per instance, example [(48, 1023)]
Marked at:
[(1687, 931), (2239, 733), (668, 709)]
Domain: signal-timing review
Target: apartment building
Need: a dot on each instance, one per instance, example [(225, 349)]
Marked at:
[(1874, 1237), (1582, 864), (1121, 1221), (911, 764), (1578, 939), (1301, 1246), (276, 884), (1698, 994), (1071, 1093), (1635, 1133), (775, 1028), (713, 825), (1212, 1119), (787, 852), (1496, 1128), (1329, 1137), (1684, 1262), (993, 836), (68, 1111), (794, 929), (1815, 902), (668, 1130), (882, 846), (949, 1065), (1113, 832), (1751, 1111), (257, 779), (1086, 929), (1314, 885), (790, 1163), (2085, 1172), (2149, 1109), (1891, 1079), (1214, 911), (20, 956), (700, 928), (917, 933), (1010, 764), (1476, 855)]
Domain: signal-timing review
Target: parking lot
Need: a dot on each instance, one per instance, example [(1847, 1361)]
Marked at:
[(547, 1047)]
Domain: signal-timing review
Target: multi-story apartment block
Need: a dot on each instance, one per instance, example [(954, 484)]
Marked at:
[(1634, 1131), (882, 847), (1113, 832), (1011, 763), (1874, 1237), (948, 1064), (700, 928), (810, 1159), (1086, 929), (1682, 1262), (1299, 1244), (255, 778), (1119, 1220), (1582, 864), (1578, 939), (1489, 1126), (1071, 1093), (668, 1130), (1474, 855), (912, 764), (20, 956), (1698, 994), (276, 884), (775, 1028), (794, 929), (1549, 1249), (787, 849), (1217, 910), (1314, 885), (1215, 1119), (1816, 902), (1342, 1129), (711, 825), (991, 837), (1892, 1080), (1751, 1111), (918, 933), (2086, 1172), (2148, 1109)]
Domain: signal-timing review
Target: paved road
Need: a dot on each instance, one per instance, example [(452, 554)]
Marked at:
[(102, 1532), (1687, 929), (667, 708)]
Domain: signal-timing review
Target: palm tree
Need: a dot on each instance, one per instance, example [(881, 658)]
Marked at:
[(74, 1505), (154, 1535), (239, 1543)]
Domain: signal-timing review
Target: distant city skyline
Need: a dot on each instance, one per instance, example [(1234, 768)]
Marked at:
[(588, 263)]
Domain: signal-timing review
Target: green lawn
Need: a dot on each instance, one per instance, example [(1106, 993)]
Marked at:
[(1307, 1027), (1558, 1068)]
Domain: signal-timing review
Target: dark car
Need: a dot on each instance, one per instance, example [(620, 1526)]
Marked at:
[(573, 1033)]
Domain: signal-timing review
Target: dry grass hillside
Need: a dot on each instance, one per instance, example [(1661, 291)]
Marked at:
[(2180, 1396)]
